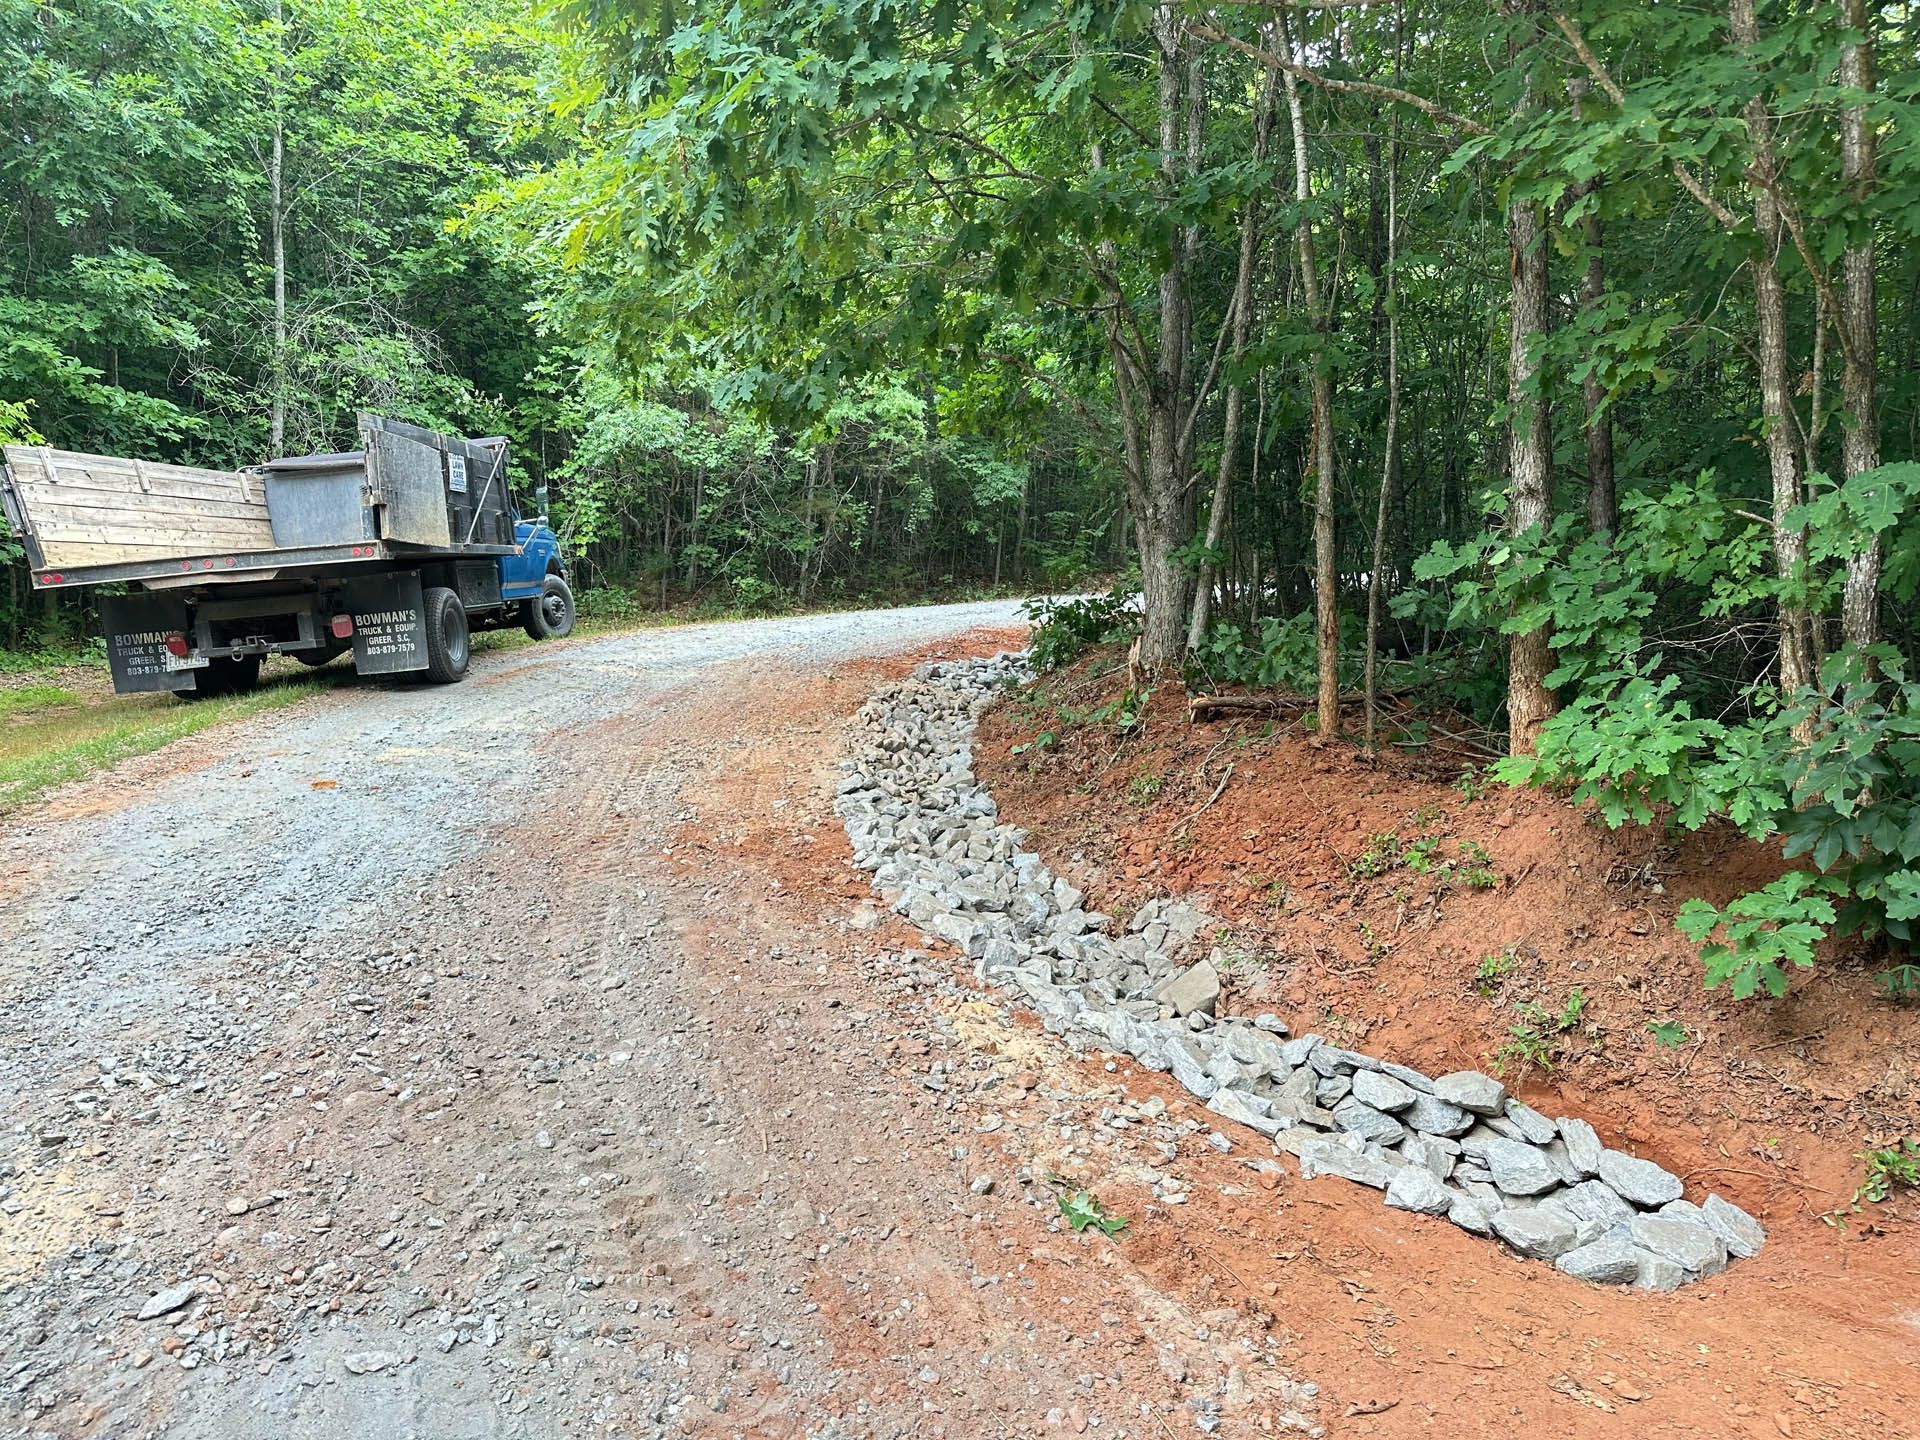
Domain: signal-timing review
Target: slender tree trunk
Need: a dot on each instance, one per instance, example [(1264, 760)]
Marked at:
[(277, 226), (1530, 445), (1860, 435), (1162, 512), (1602, 507), (1326, 572), (1390, 462), (1776, 388), (1242, 303)]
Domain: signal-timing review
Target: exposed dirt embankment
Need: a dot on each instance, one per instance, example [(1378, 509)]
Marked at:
[(1455, 925)]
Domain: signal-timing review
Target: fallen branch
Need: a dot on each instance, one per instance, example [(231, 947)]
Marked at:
[(1218, 791)]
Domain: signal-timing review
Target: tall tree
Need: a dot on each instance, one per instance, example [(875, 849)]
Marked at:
[(1530, 442), (1326, 559)]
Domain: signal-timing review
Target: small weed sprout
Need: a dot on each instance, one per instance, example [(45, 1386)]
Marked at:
[(1494, 969), (1668, 1034), (1533, 1041), (1899, 984), (1084, 1211)]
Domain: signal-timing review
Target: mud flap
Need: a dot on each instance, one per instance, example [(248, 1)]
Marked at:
[(136, 627), (389, 623)]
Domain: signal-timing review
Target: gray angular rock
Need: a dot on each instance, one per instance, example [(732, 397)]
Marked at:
[(1189, 1070), (1594, 1201), (1258, 1048), (1329, 1155), (169, 1300), (1333, 1089), (1687, 1243), (1381, 1091), (1435, 1116), (1641, 1181), (1471, 1090), (1520, 1169), (371, 1362), (1532, 1125), (1556, 1152), (1416, 1188), (1738, 1231), (1583, 1145), (1610, 1260), (1411, 1078), (1469, 1212), (1244, 1108), (1195, 990), (1538, 1233), (1656, 1272), (1296, 1051), (1426, 1152), (1358, 1118)]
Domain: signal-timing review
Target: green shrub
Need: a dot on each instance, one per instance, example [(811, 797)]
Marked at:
[(1064, 630)]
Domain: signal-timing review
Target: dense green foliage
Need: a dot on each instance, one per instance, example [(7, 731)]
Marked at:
[(143, 188), (1573, 349)]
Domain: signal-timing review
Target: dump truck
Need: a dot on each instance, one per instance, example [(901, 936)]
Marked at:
[(396, 551)]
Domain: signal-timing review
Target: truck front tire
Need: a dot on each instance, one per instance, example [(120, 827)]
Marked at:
[(449, 644), (550, 613)]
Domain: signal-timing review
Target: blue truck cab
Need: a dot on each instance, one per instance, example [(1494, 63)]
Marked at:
[(537, 555)]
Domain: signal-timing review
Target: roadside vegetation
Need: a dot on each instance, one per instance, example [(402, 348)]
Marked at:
[(52, 736), (1539, 382)]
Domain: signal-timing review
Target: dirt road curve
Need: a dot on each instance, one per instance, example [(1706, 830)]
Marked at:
[(521, 1059)]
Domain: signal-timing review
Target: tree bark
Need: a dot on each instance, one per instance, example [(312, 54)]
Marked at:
[(1326, 573), (277, 226), (1603, 514), (1530, 444), (1390, 461), (1860, 434), (1163, 506), (1776, 388), (1242, 304)]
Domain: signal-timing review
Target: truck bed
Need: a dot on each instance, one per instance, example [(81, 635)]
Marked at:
[(91, 519), (82, 512)]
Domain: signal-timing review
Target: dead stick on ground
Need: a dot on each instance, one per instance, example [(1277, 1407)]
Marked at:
[(1794, 1040), (1218, 791)]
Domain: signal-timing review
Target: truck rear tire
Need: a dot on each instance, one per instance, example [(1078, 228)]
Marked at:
[(550, 613), (449, 643)]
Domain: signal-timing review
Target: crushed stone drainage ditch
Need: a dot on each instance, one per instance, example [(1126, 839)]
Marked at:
[(1455, 1145)]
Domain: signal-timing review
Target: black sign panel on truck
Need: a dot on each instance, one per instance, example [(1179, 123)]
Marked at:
[(389, 622), (137, 627)]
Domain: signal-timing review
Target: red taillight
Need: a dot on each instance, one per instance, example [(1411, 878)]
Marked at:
[(176, 644), (342, 627)]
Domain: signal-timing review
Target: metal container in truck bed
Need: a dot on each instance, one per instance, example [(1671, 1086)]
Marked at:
[(406, 493)]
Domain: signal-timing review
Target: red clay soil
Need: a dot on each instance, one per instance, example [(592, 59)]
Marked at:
[(1768, 1102)]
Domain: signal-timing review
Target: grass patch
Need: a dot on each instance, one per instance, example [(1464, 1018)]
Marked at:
[(34, 697), (61, 738)]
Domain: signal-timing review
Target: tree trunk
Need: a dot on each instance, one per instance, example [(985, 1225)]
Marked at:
[(1326, 573), (1161, 512), (1530, 448), (1776, 389), (1860, 434), (1603, 514), (1242, 304), (277, 226), (1390, 462)]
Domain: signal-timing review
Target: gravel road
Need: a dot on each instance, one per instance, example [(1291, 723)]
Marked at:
[(521, 1058)]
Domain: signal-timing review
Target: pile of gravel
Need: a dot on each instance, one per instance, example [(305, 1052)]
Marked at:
[(1451, 1145)]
